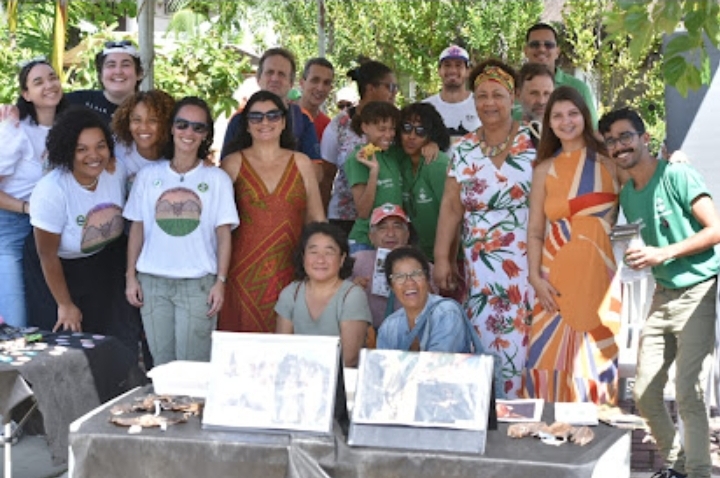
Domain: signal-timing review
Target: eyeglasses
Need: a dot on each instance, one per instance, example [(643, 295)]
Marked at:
[(418, 275), (393, 87), (408, 128), (624, 139), (343, 105), (118, 44), (535, 44), (183, 124), (256, 117)]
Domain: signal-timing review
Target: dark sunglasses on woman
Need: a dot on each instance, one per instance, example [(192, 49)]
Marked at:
[(182, 124), (408, 128), (256, 117)]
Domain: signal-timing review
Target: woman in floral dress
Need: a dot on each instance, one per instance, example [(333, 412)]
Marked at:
[(487, 191)]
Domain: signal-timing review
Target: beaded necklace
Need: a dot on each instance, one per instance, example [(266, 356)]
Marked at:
[(492, 151)]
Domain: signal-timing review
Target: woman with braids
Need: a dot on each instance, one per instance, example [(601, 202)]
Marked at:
[(21, 166), (487, 191)]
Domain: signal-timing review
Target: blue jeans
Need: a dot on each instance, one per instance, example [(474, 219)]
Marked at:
[(14, 228)]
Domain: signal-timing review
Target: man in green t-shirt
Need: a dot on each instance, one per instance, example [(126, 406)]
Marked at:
[(680, 227)]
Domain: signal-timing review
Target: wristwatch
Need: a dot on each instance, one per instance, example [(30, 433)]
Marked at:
[(222, 279)]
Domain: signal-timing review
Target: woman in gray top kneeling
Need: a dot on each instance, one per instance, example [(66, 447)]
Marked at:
[(321, 301)]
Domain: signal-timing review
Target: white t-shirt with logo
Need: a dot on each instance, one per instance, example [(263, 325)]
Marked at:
[(21, 157), (85, 220), (459, 118), (180, 213)]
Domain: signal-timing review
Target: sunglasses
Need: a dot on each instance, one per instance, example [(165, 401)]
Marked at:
[(393, 87), (408, 128), (183, 124), (118, 44), (32, 62), (343, 105), (535, 44), (256, 117)]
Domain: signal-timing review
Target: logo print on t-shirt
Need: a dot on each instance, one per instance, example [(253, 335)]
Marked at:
[(103, 224), (177, 211)]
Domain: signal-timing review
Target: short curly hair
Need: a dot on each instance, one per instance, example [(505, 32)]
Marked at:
[(63, 137), (430, 119), (158, 102), (336, 234)]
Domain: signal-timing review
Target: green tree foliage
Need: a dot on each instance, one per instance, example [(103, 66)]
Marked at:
[(201, 65), (623, 77), (407, 35), (686, 64)]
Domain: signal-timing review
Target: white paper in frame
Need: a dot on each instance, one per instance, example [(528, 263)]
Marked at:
[(272, 382), (426, 389)]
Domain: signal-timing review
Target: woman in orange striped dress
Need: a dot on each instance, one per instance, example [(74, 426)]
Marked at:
[(276, 193), (573, 204)]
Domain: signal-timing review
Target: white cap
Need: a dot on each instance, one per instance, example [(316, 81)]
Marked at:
[(454, 52)]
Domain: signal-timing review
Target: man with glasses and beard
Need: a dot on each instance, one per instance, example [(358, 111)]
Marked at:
[(541, 46), (680, 227)]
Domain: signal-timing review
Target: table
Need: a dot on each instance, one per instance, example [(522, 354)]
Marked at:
[(99, 448), (73, 375)]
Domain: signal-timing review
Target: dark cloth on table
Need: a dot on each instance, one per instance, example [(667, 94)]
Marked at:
[(69, 385)]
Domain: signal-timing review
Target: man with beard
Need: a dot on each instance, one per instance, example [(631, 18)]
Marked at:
[(534, 87), (541, 46), (455, 103), (680, 227)]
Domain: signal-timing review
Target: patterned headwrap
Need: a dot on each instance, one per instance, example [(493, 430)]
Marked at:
[(497, 74)]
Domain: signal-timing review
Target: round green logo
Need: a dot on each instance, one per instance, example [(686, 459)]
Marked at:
[(202, 187), (80, 220)]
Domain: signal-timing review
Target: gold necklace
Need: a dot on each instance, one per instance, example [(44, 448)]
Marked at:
[(492, 151), (183, 173)]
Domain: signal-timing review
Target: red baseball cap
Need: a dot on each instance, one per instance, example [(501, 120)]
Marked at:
[(387, 210)]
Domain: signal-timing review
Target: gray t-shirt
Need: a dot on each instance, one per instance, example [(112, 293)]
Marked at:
[(348, 303)]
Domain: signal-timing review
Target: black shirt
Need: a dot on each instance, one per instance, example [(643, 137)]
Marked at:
[(95, 100)]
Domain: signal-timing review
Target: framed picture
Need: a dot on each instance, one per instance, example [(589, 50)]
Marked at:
[(521, 410), (272, 382), (440, 390)]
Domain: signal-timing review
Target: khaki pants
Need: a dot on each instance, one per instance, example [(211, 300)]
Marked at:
[(680, 328), (174, 314)]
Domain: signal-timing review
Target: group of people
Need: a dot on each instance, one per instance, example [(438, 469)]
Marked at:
[(477, 221)]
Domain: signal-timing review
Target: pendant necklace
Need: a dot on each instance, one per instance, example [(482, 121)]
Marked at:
[(183, 173), (492, 151)]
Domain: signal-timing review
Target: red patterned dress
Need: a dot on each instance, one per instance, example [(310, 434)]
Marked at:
[(262, 248)]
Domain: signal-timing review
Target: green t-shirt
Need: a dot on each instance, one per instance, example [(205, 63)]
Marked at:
[(422, 194), (389, 184), (663, 208), (562, 78)]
